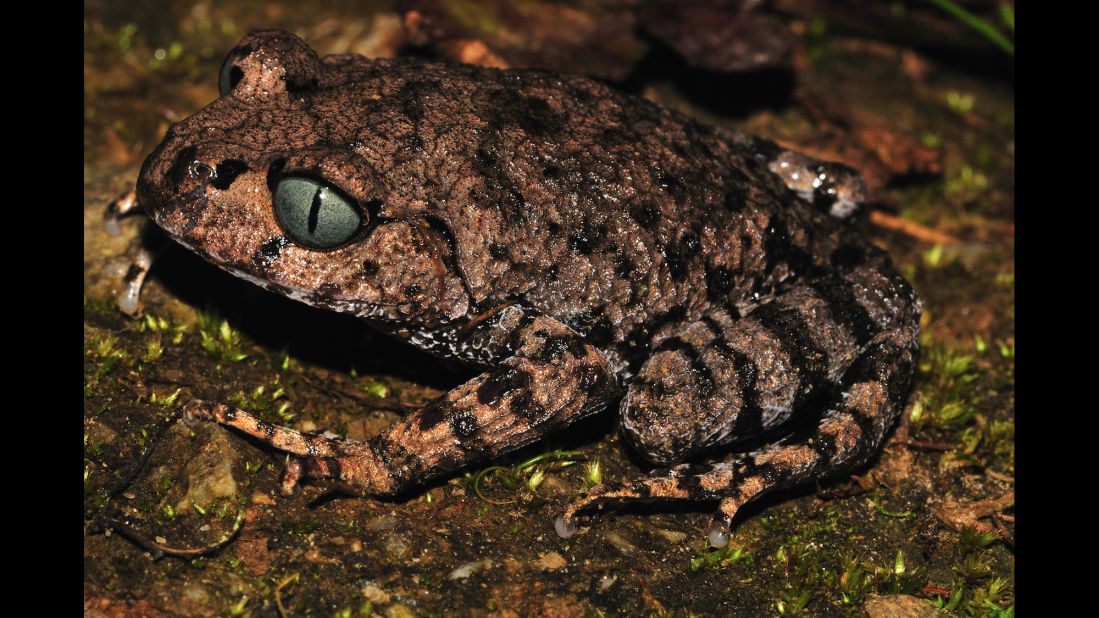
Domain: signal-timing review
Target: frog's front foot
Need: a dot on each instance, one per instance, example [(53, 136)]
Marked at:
[(118, 208), (128, 298)]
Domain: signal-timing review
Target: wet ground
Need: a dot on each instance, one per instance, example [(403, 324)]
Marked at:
[(184, 519)]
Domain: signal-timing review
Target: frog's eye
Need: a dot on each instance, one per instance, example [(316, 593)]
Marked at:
[(229, 76), (314, 214)]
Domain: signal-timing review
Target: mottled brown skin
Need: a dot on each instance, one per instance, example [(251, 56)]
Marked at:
[(577, 243)]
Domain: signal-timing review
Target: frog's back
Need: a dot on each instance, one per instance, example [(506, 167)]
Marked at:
[(604, 210)]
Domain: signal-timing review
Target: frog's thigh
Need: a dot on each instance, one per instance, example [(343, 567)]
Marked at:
[(851, 428), (723, 379)]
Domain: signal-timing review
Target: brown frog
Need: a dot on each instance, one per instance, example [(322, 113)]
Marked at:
[(583, 246)]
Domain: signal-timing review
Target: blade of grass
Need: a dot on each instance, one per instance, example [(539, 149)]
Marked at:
[(977, 24)]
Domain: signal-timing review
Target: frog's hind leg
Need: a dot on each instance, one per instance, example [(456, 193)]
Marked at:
[(849, 431), (550, 377), (831, 356)]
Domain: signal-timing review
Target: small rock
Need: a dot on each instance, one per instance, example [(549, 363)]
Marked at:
[(673, 536), (194, 600), (554, 486), (396, 546), (399, 610), (262, 499), (209, 474), (551, 561), (465, 570), (381, 522), (619, 543), (375, 594), (899, 606)]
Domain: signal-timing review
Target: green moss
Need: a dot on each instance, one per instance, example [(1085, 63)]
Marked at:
[(219, 339)]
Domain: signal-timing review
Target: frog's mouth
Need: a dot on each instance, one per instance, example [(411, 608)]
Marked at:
[(327, 299)]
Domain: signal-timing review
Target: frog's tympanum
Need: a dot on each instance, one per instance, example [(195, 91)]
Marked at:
[(584, 247)]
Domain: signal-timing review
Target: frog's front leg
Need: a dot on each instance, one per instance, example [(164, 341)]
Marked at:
[(551, 379), (141, 256)]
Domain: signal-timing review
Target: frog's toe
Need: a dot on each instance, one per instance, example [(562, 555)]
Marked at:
[(718, 536), (198, 410), (290, 481), (565, 526)]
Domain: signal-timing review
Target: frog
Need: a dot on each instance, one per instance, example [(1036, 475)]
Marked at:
[(584, 248)]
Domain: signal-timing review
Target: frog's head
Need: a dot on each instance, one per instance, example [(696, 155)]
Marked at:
[(265, 184)]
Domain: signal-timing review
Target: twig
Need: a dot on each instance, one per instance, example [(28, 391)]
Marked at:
[(913, 229), (1000, 477), (278, 592), (160, 549), (1005, 535), (930, 446)]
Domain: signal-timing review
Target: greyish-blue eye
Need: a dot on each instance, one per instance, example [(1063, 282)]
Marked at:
[(313, 214)]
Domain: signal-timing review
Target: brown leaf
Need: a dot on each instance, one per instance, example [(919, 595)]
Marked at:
[(571, 37), (723, 38), (958, 515)]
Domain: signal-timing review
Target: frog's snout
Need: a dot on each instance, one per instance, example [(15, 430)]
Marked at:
[(173, 177)]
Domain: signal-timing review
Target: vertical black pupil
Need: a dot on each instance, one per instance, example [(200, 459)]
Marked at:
[(314, 210)]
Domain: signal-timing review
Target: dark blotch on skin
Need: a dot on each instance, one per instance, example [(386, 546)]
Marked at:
[(735, 200), (593, 380), (370, 268), (432, 414), (623, 267), (646, 215), (465, 425), (182, 163), (132, 273), (554, 347), (719, 282), (601, 333), (269, 251), (581, 244), (848, 257), (501, 382), (679, 255), (525, 407)]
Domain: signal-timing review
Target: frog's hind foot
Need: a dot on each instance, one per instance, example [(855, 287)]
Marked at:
[(868, 400), (347, 463), (282, 438), (730, 480)]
